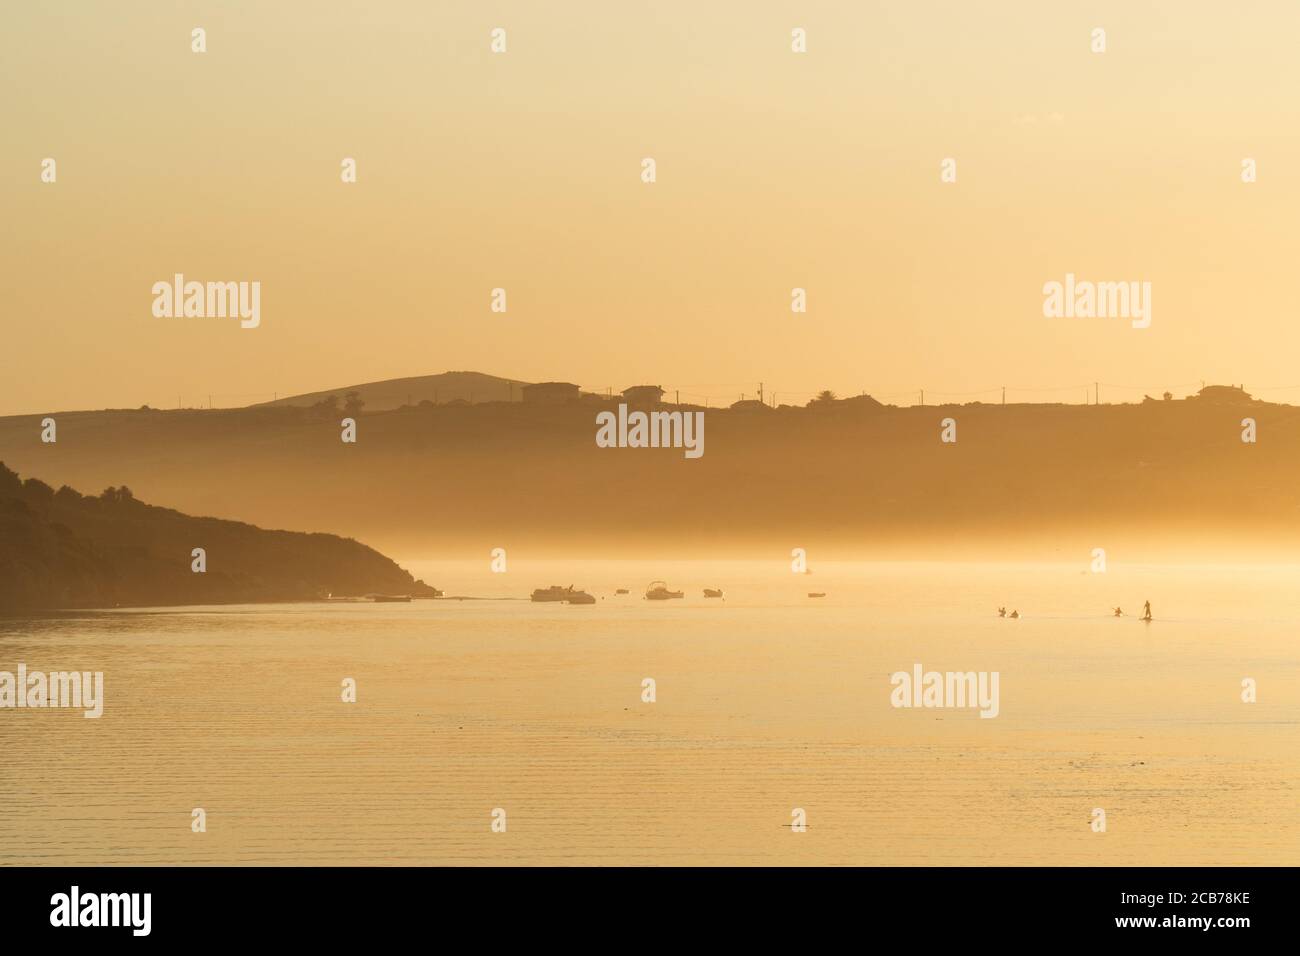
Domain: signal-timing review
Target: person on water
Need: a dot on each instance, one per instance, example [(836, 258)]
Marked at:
[(1118, 612), (1002, 612), (1015, 615), (1146, 611)]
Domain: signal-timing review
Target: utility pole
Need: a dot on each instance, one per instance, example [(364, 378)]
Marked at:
[(1004, 394), (760, 393), (922, 396), (677, 396), (1096, 393)]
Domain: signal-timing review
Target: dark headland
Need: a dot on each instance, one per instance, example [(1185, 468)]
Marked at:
[(62, 549)]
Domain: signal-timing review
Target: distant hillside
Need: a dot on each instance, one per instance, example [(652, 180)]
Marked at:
[(60, 549), (1162, 478), (473, 387)]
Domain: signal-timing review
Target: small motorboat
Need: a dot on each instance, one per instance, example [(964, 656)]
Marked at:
[(658, 591), (390, 598), (816, 593), (557, 594), (713, 592), (621, 591)]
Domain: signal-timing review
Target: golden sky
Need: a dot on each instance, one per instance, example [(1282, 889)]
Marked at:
[(522, 170)]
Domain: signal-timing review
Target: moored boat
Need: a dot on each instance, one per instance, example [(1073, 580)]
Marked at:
[(557, 594), (658, 591)]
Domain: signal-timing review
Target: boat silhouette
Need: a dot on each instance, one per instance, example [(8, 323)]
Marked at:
[(557, 594), (658, 591)]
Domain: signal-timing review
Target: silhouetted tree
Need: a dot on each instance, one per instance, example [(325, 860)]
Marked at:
[(9, 480), (38, 492), (327, 407), (353, 403)]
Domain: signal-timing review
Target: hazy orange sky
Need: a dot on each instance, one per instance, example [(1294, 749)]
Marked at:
[(522, 170)]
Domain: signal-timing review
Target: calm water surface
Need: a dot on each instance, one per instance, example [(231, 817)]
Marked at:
[(766, 701)]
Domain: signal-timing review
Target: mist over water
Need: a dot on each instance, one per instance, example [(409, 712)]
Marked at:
[(767, 700)]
